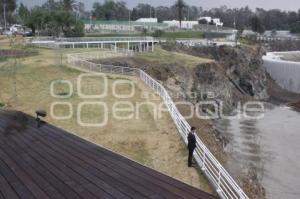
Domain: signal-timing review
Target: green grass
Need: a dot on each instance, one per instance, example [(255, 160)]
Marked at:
[(186, 34), (166, 57), (3, 59)]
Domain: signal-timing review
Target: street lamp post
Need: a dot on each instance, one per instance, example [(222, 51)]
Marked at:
[(4, 14)]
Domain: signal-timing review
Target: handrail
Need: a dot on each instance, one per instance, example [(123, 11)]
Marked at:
[(92, 39), (224, 184)]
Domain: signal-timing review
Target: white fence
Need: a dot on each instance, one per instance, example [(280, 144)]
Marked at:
[(93, 42), (285, 73), (224, 184)]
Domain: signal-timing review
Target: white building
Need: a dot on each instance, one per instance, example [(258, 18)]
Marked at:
[(216, 21), (184, 24), (114, 26), (147, 20)]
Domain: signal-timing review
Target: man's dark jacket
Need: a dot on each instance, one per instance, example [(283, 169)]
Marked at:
[(191, 141)]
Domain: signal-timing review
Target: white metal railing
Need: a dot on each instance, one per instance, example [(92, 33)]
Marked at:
[(93, 39), (224, 184)]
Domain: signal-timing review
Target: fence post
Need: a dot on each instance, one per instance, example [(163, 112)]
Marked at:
[(219, 179), (204, 160)]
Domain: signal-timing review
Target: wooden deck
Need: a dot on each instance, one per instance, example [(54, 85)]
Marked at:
[(48, 162)]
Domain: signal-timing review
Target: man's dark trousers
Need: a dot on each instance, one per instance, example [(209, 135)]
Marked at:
[(190, 159), (191, 147)]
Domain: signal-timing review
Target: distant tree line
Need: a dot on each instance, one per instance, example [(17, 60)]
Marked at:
[(53, 18), (63, 16), (239, 18)]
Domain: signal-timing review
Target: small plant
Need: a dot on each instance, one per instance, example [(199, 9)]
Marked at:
[(2, 59), (158, 33), (2, 105)]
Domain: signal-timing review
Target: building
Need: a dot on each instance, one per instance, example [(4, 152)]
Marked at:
[(147, 20), (111, 26), (184, 24), (216, 21)]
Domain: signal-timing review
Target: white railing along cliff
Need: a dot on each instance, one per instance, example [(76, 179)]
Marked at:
[(225, 185)]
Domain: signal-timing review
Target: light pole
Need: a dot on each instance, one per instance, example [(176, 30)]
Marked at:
[(129, 20), (4, 14)]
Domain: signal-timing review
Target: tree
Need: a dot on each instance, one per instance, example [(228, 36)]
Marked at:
[(180, 5), (69, 5), (142, 11), (52, 21), (295, 27), (7, 7), (35, 19), (256, 25), (51, 5), (23, 13), (110, 10)]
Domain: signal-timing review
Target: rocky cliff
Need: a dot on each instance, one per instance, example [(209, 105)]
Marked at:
[(236, 74)]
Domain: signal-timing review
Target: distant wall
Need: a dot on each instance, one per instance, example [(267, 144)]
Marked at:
[(285, 73)]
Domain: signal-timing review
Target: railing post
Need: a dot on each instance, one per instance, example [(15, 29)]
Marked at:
[(219, 179), (204, 160)]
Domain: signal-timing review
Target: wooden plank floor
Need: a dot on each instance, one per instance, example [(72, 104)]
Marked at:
[(48, 162)]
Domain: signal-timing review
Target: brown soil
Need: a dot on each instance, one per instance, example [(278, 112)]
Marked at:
[(15, 53), (295, 105)]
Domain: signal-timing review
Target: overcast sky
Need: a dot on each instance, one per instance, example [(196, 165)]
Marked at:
[(206, 4)]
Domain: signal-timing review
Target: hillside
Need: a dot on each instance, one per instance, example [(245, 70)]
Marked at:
[(221, 74)]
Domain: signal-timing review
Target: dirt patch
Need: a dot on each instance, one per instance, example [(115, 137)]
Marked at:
[(16, 53), (295, 105)]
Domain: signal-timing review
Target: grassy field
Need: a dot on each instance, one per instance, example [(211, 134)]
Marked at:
[(25, 86), (166, 57)]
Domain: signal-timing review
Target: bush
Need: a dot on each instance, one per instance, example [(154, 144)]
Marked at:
[(158, 33), (76, 31), (295, 28)]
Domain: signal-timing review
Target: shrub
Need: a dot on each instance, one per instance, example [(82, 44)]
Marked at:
[(158, 33)]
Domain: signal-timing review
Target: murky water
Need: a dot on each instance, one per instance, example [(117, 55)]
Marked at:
[(271, 146)]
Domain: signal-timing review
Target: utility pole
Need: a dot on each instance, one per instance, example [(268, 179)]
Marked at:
[(129, 20), (4, 14), (234, 23)]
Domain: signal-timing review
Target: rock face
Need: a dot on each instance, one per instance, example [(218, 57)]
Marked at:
[(236, 75)]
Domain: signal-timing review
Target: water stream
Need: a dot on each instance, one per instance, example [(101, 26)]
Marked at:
[(271, 146)]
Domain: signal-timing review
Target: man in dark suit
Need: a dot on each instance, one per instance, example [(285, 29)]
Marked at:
[(191, 145)]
